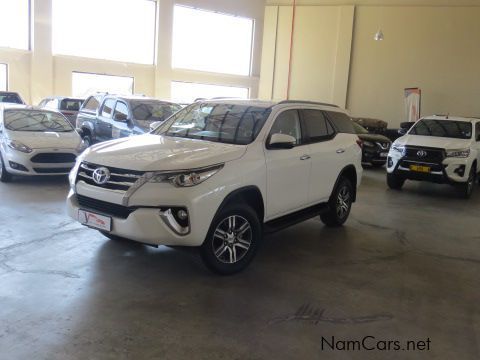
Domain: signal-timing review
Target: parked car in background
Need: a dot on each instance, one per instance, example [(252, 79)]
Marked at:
[(68, 106), (107, 117), (36, 142), (439, 149), (218, 175), (11, 97), (375, 146)]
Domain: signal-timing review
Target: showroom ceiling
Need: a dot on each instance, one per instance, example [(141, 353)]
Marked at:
[(379, 2)]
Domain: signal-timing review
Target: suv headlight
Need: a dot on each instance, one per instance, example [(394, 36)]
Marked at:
[(398, 148), (186, 178), (463, 153), (17, 145), (82, 146), (368, 144)]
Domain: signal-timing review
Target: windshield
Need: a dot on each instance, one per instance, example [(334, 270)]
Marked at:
[(443, 128), (226, 123), (359, 129), (10, 98), (35, 120), (146, 112), (71, 104)]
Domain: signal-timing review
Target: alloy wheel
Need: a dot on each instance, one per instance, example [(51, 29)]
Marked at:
[(232, 239), (343, 202)]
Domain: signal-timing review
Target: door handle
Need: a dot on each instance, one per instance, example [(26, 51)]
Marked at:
[(340, 151), (305, 157)]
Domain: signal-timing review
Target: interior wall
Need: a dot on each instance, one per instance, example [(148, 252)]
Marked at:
[(434, 48), (431, 47), (37, 74), (320, 53)]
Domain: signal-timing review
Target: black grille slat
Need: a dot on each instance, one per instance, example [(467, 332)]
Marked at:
[(53, 158), (52, 170), (103, 207)]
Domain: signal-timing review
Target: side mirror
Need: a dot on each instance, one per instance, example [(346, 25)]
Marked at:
[(154, 125), (281, 141), (80, 132), (120, 117), (402, 131)]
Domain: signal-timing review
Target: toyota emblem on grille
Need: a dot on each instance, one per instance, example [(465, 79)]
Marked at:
[(422, 153), (101, 175)]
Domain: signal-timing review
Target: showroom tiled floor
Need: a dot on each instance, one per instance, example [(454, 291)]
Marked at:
[(405, 267)]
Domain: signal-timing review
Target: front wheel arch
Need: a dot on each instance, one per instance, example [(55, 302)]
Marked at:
[(350, 173)]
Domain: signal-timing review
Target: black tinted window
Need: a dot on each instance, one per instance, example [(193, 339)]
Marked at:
[(70, 104), (10, 98), (342, 122), (121, 111), (317, 127), (288, 123), (91, 104), (477, 127)]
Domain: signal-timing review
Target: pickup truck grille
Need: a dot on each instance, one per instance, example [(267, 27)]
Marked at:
[(424, 154), (120, 179)]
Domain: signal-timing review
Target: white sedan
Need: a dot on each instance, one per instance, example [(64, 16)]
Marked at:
[(36, 142)]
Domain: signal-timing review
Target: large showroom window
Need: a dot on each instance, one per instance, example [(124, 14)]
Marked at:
[(121, 30), (15, 24), (84, 84), (208, 41), (3, 77), (185, 92)]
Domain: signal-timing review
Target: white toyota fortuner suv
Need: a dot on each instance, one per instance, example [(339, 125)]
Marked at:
[(440, 149), (219, 174)]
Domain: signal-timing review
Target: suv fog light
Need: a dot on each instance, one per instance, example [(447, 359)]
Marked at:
[(176, 219), (460, 171)]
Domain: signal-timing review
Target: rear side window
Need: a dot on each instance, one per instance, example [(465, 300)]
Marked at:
[(70, 104), (477, 131), (108, 108), (317, 126), (342, 122), (91, 104)]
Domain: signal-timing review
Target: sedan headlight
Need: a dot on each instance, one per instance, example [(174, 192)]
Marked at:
[(17, 145), (186, 178), (462, 153)]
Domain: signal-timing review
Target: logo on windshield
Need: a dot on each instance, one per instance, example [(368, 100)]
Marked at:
[(101, 175)]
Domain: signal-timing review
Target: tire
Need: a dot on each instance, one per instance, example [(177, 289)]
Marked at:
[(232, 241), (5, 177), (394, 182), (467, 188), (87, 139), (340, 204)]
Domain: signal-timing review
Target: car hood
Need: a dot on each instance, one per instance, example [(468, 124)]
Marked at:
[(434, 142), (155, 152), (42, 140), (374, 138)]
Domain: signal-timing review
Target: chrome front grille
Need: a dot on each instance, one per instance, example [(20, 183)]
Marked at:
[(120, 179)]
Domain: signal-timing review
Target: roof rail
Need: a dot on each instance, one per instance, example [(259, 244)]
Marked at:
[(307, 102)]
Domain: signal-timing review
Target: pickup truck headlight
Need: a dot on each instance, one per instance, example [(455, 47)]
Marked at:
[(17, 145), (398, 148), (186, 178), (463, 153)]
